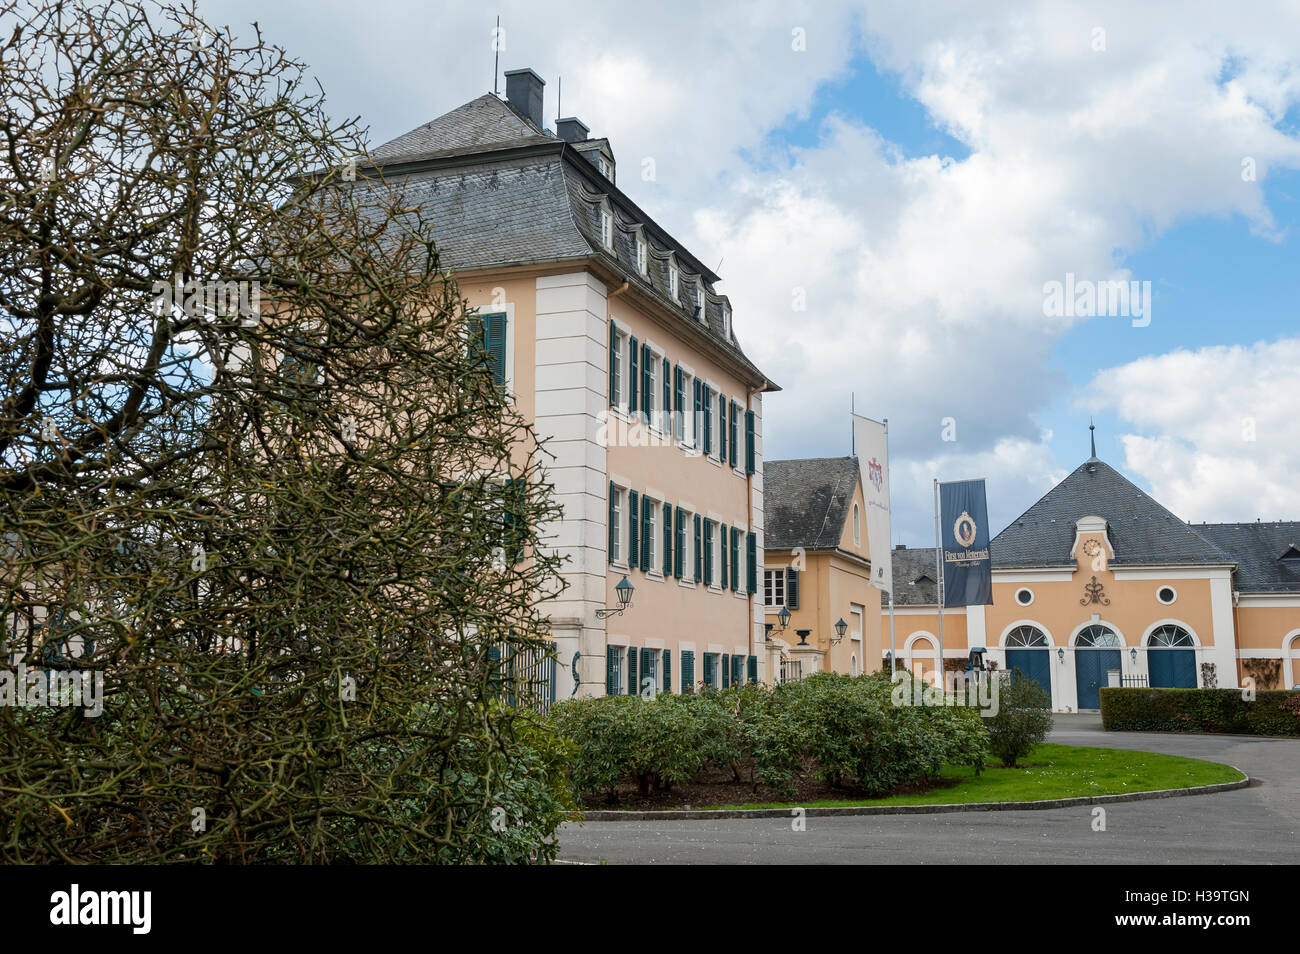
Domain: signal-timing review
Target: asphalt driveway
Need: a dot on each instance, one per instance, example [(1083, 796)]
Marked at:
[(1255, 825)]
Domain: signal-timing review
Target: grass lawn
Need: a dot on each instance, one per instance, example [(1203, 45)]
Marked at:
[(1052, 771)]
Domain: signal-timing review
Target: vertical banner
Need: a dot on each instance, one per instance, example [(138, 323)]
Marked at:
[(964, 523), (872, 439)]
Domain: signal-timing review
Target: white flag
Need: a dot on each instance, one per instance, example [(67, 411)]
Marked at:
[(873, 461)]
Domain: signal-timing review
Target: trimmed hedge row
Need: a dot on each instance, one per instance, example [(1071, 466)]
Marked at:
[(847, 727), (1272, 712)]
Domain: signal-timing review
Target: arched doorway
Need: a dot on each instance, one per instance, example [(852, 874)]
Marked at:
[(1029, 651), (1171, 658), (922, 651), (1096, 651), (1291, 655)]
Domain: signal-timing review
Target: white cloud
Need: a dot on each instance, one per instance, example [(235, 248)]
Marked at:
[(1214, 429)]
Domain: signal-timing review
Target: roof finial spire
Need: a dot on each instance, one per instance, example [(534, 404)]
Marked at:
[(1092, 436)]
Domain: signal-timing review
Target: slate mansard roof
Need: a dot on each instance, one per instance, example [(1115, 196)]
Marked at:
[(1258, 550), (502, 192), (805, 502), (1139, 529)]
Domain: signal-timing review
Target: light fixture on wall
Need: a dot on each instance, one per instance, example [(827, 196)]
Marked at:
[(1133, 654), (783, 618), (840, 629), (1060, 655), (624, 592)]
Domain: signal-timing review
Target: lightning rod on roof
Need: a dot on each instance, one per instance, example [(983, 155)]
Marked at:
[(496, 55)]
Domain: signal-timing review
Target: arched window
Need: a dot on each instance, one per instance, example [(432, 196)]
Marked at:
[(1097, 637), (1026, 637), (1170, 636), (857, 528)]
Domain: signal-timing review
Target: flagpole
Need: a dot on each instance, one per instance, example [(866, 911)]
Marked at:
[(893, 655), (938, 572)]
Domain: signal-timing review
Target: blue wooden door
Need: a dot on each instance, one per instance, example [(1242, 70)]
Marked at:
[(1090, 667), (1033, 663), (1172, 668)]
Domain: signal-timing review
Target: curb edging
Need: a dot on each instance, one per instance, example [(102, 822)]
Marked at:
[(667, 814)]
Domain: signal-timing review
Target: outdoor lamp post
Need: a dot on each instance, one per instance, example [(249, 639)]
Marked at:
[(784, 618), (624, 591), (840, 629)]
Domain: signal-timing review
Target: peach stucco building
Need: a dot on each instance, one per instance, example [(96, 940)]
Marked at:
[(818, 568), (1097, 577), (610, 338)]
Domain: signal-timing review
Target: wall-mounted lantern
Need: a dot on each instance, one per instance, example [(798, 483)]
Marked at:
[(624, 592)]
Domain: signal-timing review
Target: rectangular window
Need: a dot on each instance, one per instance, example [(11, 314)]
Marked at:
[(666, 412), (606, 229), (673, 281), (614, 670), (649, 533), (618, 368), (711, 669), (699, 304), (708, 552), (679, 403), (642, 258), (698, 388), (492, 332), (615, 524), (774, 588), (722, 427), (649, 377), (633, 383), (749, 443), (706, 411), (733, 429), (735, 558), (681, 554), (751, 562)]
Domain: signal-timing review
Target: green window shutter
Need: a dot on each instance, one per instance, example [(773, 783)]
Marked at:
[(668, 670), (688, 671), (722, 427), (726, 671), (708, 552), (733, 421), (749, 442), (753, 669), (698, 550), (679, 403), (631, 672), (647, 392), (735, 558), (722, 555), (679, 551), (612, 521), (613, 364), (634, 362), (611, 670), (514, 529), (707, 404), (791, 587), (645, 667), (751, 562), (634, 527), (696, 425), (737, 670), (668, 538), (494, 341), (666, 412), (647, 538), (710, 669)]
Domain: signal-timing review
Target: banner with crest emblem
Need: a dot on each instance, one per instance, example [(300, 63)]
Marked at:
[(872, 440), (967, 565)]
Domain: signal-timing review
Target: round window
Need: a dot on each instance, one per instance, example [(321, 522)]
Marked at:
[(1024, 596), (1166, 594)]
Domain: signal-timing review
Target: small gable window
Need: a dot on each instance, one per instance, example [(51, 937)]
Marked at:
[(699, 303), (642, 256), (726, 322), (674, 281), (607, 228)]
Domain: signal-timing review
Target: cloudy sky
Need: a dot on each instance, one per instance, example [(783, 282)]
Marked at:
[(915, 173)]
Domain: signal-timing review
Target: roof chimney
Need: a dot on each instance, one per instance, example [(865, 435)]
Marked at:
[(571, 129), (524, 94)]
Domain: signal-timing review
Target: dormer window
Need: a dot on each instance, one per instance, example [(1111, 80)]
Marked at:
[(606, 168), (674, 281), (642, 256), (726, 322), (607, 227), (699, 303)]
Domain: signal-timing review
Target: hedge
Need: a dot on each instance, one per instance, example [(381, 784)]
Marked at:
[(1272, 712)]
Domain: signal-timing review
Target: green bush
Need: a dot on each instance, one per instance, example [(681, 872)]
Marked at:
[(600, 728), (1023, 719), (665, 743), (1271, 712)]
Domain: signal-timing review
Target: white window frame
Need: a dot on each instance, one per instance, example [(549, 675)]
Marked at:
[(642, 255), (701, 303), (656, 672), (619, 556), (605, 166), (689, 438), (656, 386), (726, 322), (674, 281), (857, 618), (688, 543), (773, 573), (607, 227), (656, 528), (621, 369), (620, 669)]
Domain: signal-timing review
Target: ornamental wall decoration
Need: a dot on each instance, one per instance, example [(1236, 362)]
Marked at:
[(1094, 592)]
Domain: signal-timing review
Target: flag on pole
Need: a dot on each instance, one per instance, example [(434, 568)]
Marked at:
[(872, 439), (967, 566)]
